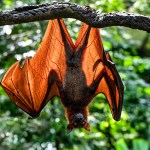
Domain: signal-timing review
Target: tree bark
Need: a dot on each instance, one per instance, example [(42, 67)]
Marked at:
[(70, 10)]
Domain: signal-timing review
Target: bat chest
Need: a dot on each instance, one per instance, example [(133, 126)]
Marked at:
[(74, 86)]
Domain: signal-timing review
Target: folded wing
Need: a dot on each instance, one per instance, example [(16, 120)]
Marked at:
[(100, 71), (30, 87)]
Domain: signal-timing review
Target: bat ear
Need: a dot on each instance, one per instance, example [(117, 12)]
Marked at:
[(87, 126), (69, 128)]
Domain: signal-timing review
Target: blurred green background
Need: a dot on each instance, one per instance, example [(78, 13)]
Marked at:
[(130, 50)]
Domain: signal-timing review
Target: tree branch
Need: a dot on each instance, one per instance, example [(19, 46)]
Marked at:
[(70, 10)]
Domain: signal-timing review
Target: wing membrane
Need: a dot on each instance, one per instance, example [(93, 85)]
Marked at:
[(33, 85), (100, 71)]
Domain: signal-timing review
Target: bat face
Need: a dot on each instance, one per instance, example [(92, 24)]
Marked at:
[(78, 121), (77, 118), (74, 72)]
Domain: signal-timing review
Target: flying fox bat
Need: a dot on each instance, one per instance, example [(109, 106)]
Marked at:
[(74, 72)]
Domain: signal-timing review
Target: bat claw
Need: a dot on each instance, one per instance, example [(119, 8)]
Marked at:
[(111, 62)]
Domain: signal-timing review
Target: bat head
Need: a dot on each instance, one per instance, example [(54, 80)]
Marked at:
[(77, 120)]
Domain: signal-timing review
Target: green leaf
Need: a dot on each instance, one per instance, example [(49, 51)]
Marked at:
[(121, 145), (140, 144)]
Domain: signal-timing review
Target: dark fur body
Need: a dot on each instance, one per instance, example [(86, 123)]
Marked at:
[(74, 89), (75, 94)]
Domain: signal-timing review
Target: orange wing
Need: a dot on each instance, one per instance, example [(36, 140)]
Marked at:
[(33, 85), (100, 71)]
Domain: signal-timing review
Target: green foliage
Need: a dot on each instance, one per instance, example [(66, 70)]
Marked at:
[(18, 132), (137, 144)]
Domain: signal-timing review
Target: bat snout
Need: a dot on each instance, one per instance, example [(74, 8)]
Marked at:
[(79, 120)]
